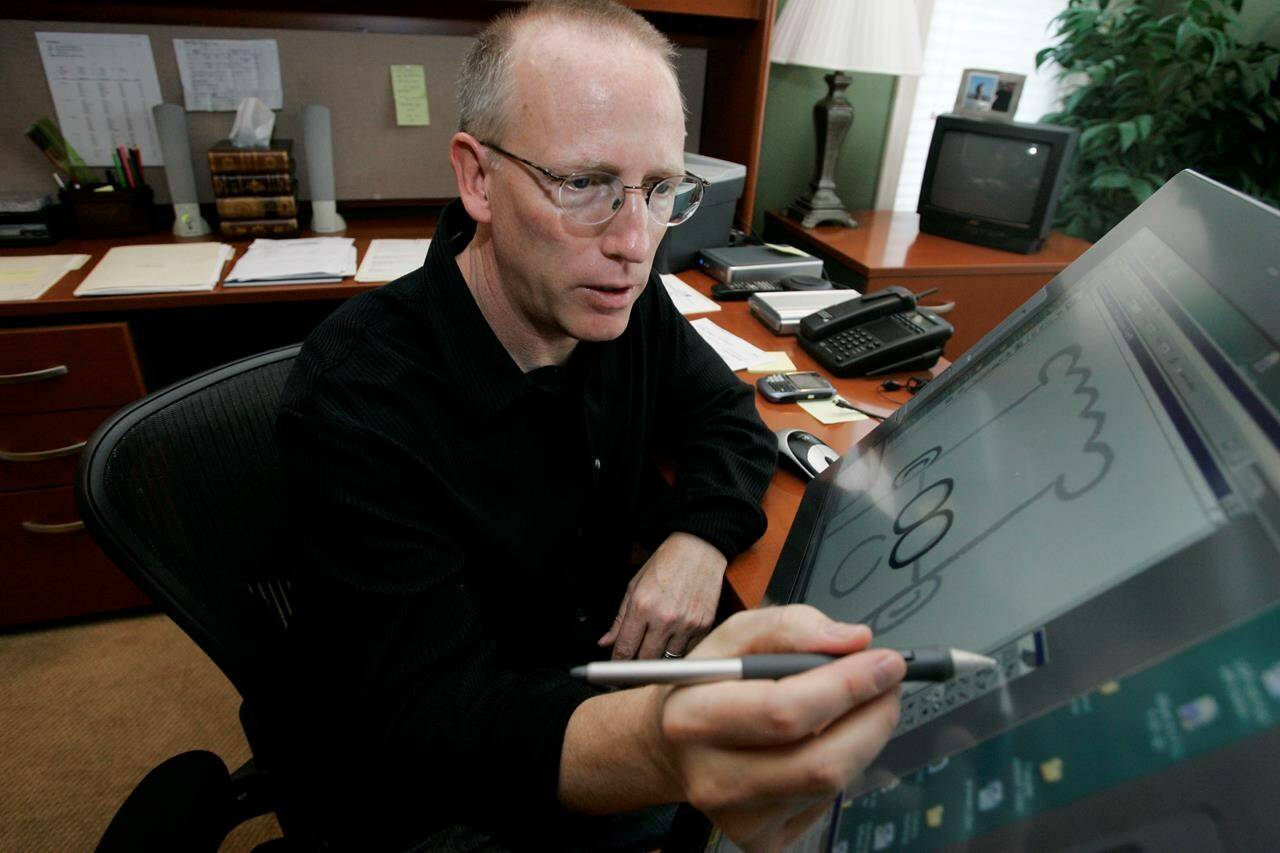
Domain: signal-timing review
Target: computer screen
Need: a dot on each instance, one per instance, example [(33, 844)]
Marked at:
[(1092, 496), (991, 177)]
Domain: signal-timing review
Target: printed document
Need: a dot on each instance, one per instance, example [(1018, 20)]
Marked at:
[(29, 276), (103, 87), (217, 74), (736, 352), (687, 300), (157, 268), (387, 260)]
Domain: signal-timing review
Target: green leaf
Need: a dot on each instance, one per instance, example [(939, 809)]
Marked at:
[(1143, 123), (1140, 189), (1117, 179), (1256, 120), (1187, 30), (1042, 55), (1093, 135), (1128, 134)]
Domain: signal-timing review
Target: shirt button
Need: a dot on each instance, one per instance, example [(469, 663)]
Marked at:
[(596, 464), (578, 533), (580, 615)]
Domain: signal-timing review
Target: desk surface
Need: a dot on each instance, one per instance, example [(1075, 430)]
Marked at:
[(749, 574), (59, 298), (889, 243)]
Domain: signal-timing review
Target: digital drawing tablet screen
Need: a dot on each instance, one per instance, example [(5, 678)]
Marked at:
[(1095, 488), (1079, 454)]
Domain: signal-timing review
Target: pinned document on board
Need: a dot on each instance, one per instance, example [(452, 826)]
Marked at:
[(103, 86), (217, 74), (409, 86)]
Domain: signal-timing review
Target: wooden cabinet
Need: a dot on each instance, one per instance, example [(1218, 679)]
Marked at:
[(57, 384)]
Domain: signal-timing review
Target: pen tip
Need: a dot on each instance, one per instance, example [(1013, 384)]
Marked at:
[(578, 672)]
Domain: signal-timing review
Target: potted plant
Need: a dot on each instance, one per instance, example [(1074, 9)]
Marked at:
[(1152, 94)]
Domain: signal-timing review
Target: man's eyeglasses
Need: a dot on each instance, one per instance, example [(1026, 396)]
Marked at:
[(590, 198)]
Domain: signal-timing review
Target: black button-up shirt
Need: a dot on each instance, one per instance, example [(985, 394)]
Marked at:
[(470, 528)]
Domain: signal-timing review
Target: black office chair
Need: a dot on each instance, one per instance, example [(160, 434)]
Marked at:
[(182, 489)]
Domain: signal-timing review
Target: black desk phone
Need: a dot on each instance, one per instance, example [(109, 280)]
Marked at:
[(882, 332)]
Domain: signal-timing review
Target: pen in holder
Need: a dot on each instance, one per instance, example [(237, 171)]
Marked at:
[(106, 214)]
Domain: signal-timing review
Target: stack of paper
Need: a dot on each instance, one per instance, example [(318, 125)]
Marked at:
[(160, 268), (309, 260), (29, 276), (387, 260)]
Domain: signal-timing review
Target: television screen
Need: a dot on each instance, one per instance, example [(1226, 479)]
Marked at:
[(989, 177)]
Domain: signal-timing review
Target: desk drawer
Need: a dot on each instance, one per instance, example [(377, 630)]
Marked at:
[(51, 574), (43, 449), (67, 367)]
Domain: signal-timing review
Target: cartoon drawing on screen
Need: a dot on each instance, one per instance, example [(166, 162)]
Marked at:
[(919, 528)]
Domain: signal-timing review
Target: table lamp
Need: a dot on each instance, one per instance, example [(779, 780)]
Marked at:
[(869, 36)]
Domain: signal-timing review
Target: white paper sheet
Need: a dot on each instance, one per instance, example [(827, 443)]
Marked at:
[(103, 89), (217, 74), (387, 260), (736, 352), (687, 300), (26, 277)]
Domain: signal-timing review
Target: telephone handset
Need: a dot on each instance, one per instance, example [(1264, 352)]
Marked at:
[(882, 332)]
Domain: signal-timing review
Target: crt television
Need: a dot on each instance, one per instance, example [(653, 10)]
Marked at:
[(994, 183), (1091, 495)]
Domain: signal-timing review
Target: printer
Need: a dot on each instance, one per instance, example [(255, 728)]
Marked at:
[(710, 225)]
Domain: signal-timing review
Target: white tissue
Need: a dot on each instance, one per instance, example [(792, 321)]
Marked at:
[(253, 125)]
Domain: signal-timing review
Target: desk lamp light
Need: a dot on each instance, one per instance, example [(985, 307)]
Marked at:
[(869, 36)]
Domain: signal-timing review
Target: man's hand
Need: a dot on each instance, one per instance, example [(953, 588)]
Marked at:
[(671, 602), (761, 758)]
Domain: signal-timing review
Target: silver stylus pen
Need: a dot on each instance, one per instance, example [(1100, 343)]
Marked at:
[(925, 664)]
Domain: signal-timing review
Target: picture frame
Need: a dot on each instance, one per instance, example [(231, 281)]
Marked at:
[(988, 94)]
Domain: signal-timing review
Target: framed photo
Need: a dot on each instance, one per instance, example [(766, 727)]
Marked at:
[(989, 94)]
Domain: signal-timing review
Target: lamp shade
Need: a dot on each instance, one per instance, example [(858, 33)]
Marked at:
[(870, 36)]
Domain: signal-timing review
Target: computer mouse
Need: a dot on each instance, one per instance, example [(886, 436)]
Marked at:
[(804, 453)]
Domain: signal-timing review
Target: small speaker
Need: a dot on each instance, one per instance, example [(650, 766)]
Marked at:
[(318, 139), (171, 127)]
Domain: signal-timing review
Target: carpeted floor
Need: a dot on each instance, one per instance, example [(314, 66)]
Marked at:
[(86, 710)]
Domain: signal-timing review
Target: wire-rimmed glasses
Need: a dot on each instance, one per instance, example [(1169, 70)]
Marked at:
[(591, 198)]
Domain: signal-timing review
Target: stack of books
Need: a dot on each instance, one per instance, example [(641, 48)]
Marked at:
[(255, 189)]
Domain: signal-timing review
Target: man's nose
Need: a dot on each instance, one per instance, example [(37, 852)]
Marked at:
[(627, 237)]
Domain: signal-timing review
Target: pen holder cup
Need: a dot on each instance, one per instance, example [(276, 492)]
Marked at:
[(109, 214)]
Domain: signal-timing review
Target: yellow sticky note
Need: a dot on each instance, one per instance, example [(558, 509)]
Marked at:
[(829, 413), (1109, 688), (409, 85), (778, 362), (933, 817), (1051, 770)]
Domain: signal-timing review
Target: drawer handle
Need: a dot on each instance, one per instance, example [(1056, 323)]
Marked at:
[(42, 455), (34, 375), (37, 527)]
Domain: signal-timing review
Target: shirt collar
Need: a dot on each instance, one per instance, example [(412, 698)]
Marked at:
[(483, 372)]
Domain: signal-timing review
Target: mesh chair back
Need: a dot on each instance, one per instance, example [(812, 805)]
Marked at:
[(183, 490)]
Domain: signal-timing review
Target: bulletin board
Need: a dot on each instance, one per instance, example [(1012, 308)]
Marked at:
[(348, 72)]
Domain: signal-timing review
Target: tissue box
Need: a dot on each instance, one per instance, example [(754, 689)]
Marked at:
[(710, 225)]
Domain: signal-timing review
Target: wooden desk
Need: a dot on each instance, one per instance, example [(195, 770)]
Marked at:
[(887, 248), (748, 575), (120, 347)]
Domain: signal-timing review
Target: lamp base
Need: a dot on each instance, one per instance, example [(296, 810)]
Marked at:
[(813, 210)]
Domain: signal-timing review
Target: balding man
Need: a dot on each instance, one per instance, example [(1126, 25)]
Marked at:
[(472, 451)]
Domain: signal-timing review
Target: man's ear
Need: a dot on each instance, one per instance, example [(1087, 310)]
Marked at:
[(471, 169)]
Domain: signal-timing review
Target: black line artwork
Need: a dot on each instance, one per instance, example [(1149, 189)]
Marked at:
[(923, 522)]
